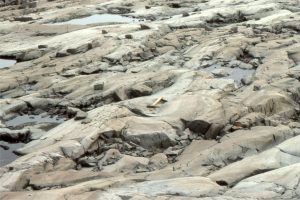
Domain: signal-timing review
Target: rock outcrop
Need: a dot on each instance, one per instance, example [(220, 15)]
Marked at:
[(157, 100)]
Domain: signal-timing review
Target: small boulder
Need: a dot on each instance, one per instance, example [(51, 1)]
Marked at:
[(233, 29), (72, 149), (128, 36), (221, 72), (139, 90), (158, 161), (144, 27), (128, 164), (185, 14), (42, 46), (98, 85), (7, 134), (111, 156), (247, 80), (80, 115)]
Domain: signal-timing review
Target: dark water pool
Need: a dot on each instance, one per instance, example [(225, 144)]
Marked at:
[(7, 154), (33, 119)]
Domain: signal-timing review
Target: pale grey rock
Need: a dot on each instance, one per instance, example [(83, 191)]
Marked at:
[(98, 85), (231, 148), (8, 134), (247, 80), (149, 133), (158, 161), (221, 72), (117, 68), (139, 90), (110, 157), (73, 149), (249, 120), (10, 106), (62, 178), (127, 164), (186, 186), (280, 183), (80, 115), (93, 68), (11, 181), (157, 98)]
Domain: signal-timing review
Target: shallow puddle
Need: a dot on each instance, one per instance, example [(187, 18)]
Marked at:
[(238, 74), (100, 18), (7, 63), (7, 149), (33, 119), (6, 152), (234, 73)]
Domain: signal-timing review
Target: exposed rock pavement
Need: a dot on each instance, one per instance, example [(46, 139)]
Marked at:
[(192, 99)]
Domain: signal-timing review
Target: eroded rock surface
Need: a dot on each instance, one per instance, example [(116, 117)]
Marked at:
[(160, 100)]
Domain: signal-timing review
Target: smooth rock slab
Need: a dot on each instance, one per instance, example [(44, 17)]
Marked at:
[(62, 178), (11, 181), (283, 182), (186, 186)]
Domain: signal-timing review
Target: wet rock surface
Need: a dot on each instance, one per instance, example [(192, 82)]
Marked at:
[(4, 63), (150, 99)]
